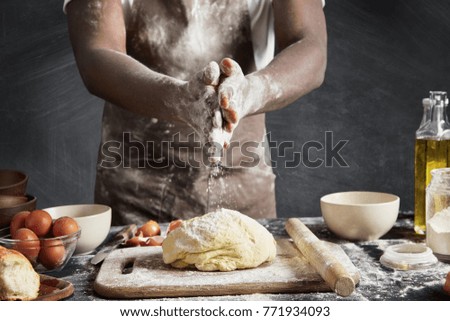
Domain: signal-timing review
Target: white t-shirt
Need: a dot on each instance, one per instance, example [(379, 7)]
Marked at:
[(263, 35)]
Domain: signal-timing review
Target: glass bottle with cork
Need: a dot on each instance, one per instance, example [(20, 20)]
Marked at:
[(432, 151)]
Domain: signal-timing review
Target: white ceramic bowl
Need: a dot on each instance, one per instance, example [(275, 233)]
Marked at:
[(93, 219), (363, 216)]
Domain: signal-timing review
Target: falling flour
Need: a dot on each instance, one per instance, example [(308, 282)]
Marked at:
[(438, 232)]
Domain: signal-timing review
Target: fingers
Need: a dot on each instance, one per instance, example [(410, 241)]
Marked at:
[(225, 95), (211, 74), (220, 138), (209, 96), (226, 139), (230, 67), (219, 100), (222, 131), (231, 115), (217, 119), (233, 71)]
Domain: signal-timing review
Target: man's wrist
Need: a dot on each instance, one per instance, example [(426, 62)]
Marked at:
[(257, 95)]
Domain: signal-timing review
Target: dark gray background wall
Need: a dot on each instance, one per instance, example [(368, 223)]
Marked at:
[(384, 57)]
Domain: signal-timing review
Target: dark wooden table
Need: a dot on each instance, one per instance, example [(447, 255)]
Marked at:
[(377, 282)]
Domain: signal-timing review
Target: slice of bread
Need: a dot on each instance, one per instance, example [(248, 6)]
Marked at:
[(18, 280)]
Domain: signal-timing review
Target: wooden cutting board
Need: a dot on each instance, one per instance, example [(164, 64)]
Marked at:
[(141, 273)]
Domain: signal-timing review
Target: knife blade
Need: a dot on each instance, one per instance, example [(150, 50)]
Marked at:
[(124, 235)]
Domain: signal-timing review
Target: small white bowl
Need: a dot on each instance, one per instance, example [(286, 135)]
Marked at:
[(363, 216), (93, 219)]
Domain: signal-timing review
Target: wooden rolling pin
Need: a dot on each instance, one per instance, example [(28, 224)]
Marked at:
[(320, 257)]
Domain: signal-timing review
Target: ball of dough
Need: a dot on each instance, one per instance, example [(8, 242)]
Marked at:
[(223, 240)]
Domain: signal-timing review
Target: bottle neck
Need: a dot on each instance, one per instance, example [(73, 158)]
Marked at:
[(438, 114), (434, 125), (438, 102)]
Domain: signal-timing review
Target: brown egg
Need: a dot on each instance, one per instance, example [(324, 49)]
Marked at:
[(52, 253), (17, 222), (29, 245), (151, 228), (136, 241), (64, 226), (155, 240), (40, 222), (174, 225)]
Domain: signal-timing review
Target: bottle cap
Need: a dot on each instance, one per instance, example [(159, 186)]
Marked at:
[(408, 256), (438, 98)]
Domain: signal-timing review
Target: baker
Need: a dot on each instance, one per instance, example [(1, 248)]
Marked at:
[(181, 76)]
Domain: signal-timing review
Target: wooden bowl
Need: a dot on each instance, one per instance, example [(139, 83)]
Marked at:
[(7, 213), (13, 182), (10, 201)]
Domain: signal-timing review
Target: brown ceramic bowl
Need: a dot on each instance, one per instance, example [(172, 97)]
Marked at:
[(7, 213), (13, 182), (10, 201)]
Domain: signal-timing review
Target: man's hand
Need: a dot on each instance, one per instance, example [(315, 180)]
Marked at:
[(199, 106), (239, 95), (196, 101)]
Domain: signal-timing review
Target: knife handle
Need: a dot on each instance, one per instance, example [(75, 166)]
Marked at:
[(126, 233)]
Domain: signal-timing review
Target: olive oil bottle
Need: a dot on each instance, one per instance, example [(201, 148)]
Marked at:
[(432, 151)]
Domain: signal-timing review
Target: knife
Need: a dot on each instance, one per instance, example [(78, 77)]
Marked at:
[(124, 235)]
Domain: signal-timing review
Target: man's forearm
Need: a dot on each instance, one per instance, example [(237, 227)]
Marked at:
[(300, 30), (98, 36), (125, 82), (293, 73)]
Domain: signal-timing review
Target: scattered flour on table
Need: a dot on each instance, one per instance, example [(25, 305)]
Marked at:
[(379, 283)]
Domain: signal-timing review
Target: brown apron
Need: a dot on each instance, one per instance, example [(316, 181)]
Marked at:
[(137, 195), (138, 191)]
